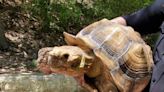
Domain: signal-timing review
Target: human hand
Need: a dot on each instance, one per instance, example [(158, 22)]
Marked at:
[(119, 20)]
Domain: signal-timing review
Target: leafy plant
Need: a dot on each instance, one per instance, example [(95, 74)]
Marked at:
[(65, 15)]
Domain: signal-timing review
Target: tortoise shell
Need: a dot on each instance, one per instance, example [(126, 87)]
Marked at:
[(121, 49)]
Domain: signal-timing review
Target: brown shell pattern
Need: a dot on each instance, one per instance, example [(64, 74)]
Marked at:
[(121, 49)]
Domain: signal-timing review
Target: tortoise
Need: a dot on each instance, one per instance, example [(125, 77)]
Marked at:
[(121, 60)]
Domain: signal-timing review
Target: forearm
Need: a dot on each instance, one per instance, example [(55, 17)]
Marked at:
[(147, 20)]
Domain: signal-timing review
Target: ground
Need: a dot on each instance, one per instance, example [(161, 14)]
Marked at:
[(23, 49), (25, 38)]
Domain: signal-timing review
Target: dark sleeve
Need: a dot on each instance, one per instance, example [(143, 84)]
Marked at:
[(147, 20)]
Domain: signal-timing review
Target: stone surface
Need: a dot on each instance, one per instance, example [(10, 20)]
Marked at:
[(38, 83)]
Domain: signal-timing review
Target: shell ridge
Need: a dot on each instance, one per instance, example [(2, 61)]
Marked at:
[(109, 36)]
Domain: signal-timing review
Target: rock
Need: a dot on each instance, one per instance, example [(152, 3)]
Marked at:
[(38, 83)]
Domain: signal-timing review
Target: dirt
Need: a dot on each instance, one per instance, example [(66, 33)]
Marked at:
[(23, 37), (23, 48)]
